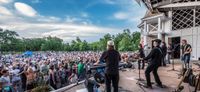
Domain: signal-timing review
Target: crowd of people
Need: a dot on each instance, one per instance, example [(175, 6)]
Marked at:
[(20, 72), (57, 68)]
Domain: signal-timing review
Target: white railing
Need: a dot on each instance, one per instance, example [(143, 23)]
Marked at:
[(64, 89)]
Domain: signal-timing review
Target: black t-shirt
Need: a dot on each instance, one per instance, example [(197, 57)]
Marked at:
[(112, 59), (185, 48)]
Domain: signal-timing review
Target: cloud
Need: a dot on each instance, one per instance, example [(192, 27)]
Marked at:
[(120, 2), (129, 17), (36, 1), (64, 31), (5, 11), (35, 25), (70, 19), (48, 19), (121, 15), (25, 9), (84, 21), (77, 30), (95, 2), (110, 1), (131, 12), (5, 1), (84, 14)]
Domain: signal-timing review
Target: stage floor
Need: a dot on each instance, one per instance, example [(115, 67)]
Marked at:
[(168, 78), (128, 80)]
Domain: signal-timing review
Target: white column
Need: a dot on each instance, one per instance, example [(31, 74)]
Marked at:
[(159, 29), (194, 16), (145, 35), (170, 16), (147, 28)]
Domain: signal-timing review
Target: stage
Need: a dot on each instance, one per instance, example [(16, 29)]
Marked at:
[(128, 81)]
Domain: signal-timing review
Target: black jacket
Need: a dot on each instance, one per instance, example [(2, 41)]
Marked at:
[(141, 51), (112, 59), (155, 56), (164, 50)]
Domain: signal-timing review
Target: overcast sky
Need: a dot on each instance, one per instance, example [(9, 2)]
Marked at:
[(67, 19)]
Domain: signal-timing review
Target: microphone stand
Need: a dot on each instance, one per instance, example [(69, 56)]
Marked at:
[(173, 69), (139, 64), (139, 77)]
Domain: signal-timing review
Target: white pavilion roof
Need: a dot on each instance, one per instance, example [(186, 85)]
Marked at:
[(178, 5)]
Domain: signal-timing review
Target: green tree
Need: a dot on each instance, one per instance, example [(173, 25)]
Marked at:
[(103, 41), (67, 47), (125, 41), (52, 44), (84, 46), (125, 44), (135, 40), (74, 46), (7, 38)]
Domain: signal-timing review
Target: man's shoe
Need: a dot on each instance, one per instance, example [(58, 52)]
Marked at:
[(161, 86), (146, 86)]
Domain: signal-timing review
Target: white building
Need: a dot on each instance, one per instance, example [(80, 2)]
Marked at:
[(172, 21)]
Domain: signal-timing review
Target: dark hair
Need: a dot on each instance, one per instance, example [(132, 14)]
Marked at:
[(158, 41), (140, 45), (4, 71), (51, 67), (164, 43)]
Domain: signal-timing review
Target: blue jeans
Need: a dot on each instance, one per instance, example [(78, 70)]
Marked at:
[(186, 60)]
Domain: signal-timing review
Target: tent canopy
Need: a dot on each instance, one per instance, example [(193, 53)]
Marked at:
[(28, 53)]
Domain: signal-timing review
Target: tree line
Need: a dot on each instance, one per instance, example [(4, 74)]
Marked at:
[(10, 41)]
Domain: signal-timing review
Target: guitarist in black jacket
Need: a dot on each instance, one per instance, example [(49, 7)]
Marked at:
[(155, 58)]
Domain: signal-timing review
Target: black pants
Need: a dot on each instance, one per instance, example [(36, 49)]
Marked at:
[(114, 78), (29, 86), (53, 85), (24, 84), (139, 64), (163, 61), (149, 69)]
